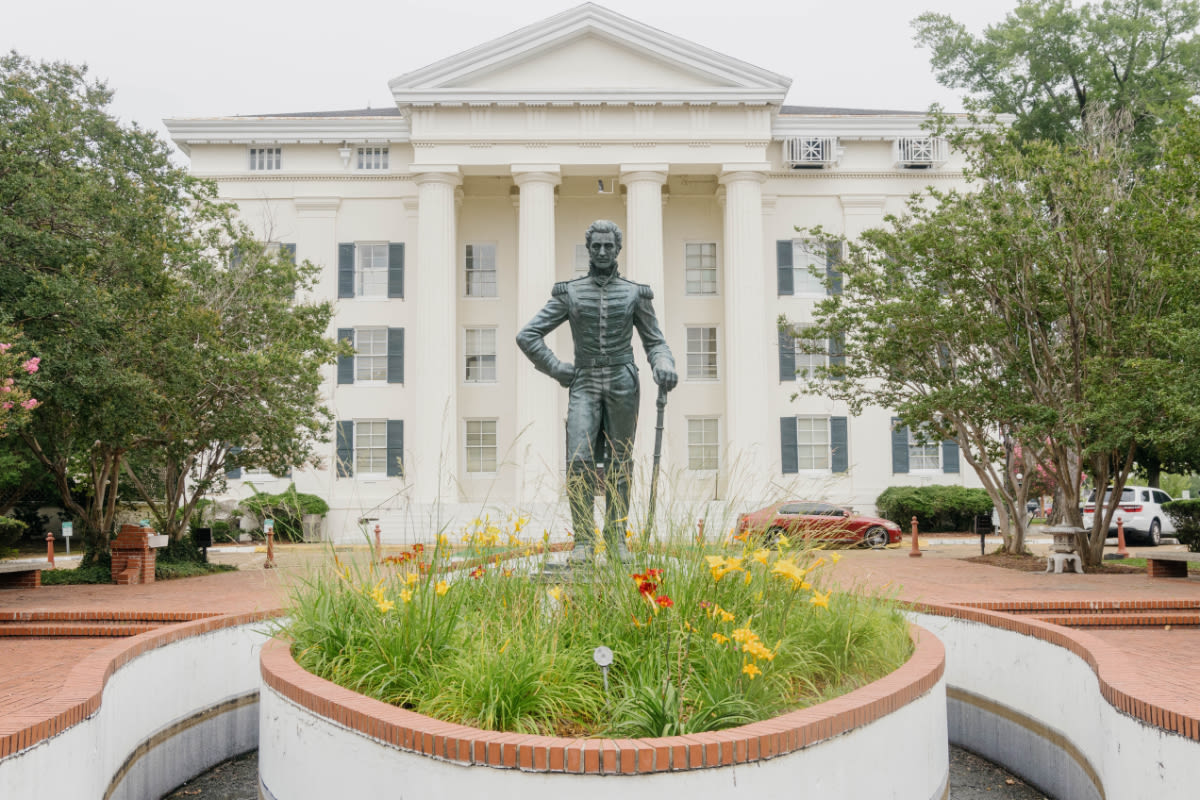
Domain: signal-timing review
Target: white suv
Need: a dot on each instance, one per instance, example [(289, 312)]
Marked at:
[(1141, 509)]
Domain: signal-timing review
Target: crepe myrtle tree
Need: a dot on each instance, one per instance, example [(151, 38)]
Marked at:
[(1036, 317)]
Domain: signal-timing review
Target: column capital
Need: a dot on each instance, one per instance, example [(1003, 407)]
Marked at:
[(448, 174), (649, 173), (536, 173), (733, 173)]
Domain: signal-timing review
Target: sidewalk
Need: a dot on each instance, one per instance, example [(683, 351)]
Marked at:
[(1160, 664)]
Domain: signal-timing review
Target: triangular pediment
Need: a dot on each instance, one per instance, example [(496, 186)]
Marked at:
[(588, 53)]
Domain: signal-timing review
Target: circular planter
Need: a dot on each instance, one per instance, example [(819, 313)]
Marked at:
[(318, 739)]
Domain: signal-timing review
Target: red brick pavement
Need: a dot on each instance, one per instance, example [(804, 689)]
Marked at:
[(1160, 666)]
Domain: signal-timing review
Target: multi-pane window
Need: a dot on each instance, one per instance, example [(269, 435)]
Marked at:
[(702, 354), (807, 253), (371, 352), (481, 445), (923, 454), (481, 270), (700, 267), (265, 157), (810, 353), (371, 273), (372, 158), (370, 446), (812, 442), (702, 443), (480, 349), (582, 260)]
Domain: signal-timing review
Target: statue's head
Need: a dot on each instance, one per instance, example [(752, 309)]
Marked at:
[(603, 240)]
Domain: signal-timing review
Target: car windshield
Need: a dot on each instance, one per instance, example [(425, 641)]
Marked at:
[(1127, 496)]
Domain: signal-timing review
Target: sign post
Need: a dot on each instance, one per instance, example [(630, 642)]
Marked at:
[(68, 529)]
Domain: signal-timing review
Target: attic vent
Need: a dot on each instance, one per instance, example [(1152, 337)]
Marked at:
[(920, 152), (810, 152)]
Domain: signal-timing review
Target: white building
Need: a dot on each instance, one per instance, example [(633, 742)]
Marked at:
[(442, 223)]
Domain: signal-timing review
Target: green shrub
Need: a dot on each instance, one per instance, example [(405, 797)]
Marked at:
[(11, 531), (96, 569), (287, 508), (1186, 516), (937, 508), (222, 531)]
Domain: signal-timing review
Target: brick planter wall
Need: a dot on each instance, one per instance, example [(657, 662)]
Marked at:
[(132, 557)]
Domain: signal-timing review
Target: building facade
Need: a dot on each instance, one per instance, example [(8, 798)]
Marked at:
[(442, 223)]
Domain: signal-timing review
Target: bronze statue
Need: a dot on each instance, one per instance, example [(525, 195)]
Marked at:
[(603, 308)]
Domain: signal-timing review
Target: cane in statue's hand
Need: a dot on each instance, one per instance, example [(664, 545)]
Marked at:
[(648, 530)]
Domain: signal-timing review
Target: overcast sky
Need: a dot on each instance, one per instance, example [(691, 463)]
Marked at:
[(225, 57)]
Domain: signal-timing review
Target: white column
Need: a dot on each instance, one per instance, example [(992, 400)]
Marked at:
[(749, 331), (641, 260), (538, 424), (432, 438)]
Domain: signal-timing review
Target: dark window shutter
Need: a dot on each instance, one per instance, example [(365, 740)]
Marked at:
[(234, 473), (395, 356), (787, 445), (837, 354), (345, 372), (839, 441), (235, 257), (783, 260), (345, 448), (395, 448), (949, 456), (346, 270), (787, 355), (396, 269), (899, 447), (832, 273)]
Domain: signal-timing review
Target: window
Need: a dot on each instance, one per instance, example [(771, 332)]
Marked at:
[(809, 353), (805, 254), (703, 445), (481, 445), (372, 158), (582, 261), (265, 157), (378, 355), (702, 354), (371, 275), (700, 268), (481, 270), (371, 351), (480, 350), (923, 455), (370, 446), (812, 443)]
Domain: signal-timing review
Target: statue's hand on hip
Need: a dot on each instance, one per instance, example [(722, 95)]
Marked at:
[(564, 373), (665, 377)]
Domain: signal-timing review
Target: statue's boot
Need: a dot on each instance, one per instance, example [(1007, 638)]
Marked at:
[(581, 494)]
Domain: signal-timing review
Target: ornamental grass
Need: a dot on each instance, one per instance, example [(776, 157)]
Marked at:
[(703, 637)]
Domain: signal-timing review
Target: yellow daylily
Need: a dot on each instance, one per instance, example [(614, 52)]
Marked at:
[(406, 595), (720, 638), (555, 593), (752, 671), (761, 555), (442, 587), (819, 599)]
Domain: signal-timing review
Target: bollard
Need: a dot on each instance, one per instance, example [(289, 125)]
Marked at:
[(50, 548), (270, 550), (700, 531), (916, 551), (1121, 551), (378, 543)]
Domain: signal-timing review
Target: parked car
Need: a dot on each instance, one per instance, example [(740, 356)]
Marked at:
[(1140, 509), (820, 521)]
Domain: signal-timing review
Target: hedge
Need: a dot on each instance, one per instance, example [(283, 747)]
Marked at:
[(1186, 516), (937, 508)]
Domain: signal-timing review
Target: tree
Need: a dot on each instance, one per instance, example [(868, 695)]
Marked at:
[(1050, 63), (113, 265), (1035, 319)]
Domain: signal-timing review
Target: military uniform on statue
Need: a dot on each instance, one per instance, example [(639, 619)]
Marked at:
[(603, 309)]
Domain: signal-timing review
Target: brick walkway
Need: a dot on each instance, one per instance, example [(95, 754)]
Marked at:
[(1158, 664)]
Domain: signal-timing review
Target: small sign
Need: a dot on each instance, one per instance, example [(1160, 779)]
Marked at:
[(68, 529), (268, 525), (602, 656)]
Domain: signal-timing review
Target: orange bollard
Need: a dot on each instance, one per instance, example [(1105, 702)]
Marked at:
[(700, 531), (916, 551), (378, 543), (270, 550), (1121, 551), (50, 548)]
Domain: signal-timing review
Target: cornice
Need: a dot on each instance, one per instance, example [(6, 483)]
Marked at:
[(286, 177), (289, 130), (851, 126), (836, 174)]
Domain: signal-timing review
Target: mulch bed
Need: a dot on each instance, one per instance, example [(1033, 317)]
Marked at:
[(1030, 563)]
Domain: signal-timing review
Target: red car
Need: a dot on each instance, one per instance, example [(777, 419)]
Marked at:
[(820, 521)]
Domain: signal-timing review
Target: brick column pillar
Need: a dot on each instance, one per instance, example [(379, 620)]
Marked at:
[(132, 557)]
